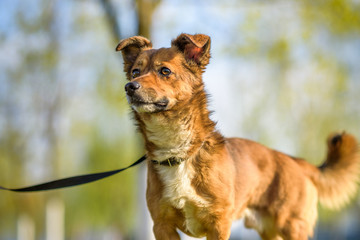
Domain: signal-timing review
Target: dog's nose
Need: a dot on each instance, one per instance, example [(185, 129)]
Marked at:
[(131, 87)]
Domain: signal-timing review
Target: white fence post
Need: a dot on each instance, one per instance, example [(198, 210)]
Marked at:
[(55, 218), (25, 228), (144, 231)]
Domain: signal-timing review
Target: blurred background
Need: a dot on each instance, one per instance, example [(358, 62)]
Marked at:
[(284, 73)]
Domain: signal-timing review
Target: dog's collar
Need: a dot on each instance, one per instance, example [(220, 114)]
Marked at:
[(173, 161)]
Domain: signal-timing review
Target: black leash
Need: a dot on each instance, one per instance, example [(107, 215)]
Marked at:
[(72, 181)]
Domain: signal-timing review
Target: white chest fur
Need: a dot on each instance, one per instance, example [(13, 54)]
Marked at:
[(181, 194), (171, 140)]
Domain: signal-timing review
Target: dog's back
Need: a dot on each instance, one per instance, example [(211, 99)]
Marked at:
[(285, 187)]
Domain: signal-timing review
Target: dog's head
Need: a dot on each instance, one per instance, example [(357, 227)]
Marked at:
[(160, 79)]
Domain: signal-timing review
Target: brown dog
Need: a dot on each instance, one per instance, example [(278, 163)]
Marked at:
[(200, 181)]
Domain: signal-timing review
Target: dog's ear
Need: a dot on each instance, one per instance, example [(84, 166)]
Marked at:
[(131, 48), (196, 48)]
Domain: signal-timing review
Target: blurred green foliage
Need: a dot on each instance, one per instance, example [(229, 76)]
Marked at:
[(64, 113), (63, 110), (309, 80)]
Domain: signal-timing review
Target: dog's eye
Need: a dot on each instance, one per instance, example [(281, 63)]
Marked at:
[(165, 71), (135, 73)]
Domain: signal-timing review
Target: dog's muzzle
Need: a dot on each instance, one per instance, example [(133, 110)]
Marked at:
[(143, 100)]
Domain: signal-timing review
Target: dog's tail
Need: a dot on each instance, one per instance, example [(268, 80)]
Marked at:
[(337, 178)]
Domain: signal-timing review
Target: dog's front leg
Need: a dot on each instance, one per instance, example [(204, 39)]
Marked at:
[(165, 231), (220, 231)]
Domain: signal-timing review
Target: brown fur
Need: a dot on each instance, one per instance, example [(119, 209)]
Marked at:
[(221, 179)]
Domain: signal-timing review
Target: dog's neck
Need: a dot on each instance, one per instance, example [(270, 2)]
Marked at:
[(177, 133)]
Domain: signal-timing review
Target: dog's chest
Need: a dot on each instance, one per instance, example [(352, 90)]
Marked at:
[(180, 193), (171, 140)]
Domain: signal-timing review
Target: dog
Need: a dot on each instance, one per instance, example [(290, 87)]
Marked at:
[(199, 181)]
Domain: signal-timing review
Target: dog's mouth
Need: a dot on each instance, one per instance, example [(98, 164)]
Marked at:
[(160, 104), (141, 105)]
